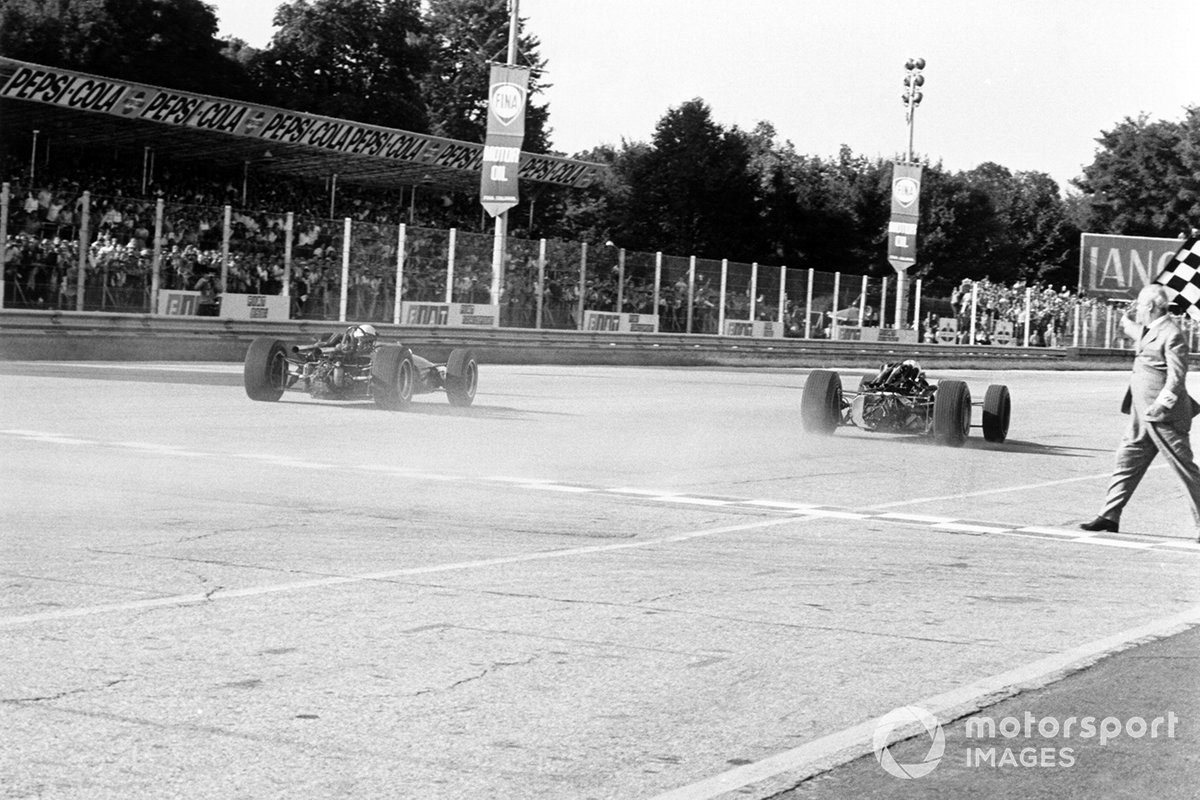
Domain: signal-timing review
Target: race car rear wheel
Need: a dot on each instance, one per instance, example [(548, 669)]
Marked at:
[(952, 413), (997, 408), (393, 377), (462, 377), (265, 372), (821, 403)]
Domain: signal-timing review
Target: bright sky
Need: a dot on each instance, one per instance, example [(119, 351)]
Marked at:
[(1028, 84)]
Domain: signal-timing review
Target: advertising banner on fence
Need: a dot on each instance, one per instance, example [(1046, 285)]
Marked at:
[(1118, 267), (255, 306), (450, 314), (853, 333), (505, 133), (754, 328), (612, 322), (178, 303), (902, 228)]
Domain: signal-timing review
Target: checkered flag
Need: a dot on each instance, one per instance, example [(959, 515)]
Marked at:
[(1182, 279)]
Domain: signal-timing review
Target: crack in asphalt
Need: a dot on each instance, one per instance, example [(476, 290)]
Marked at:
[(65, 693), (496, 665)]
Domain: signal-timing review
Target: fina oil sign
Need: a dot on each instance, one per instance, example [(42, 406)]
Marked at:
[(505, 133), (1118, 267)]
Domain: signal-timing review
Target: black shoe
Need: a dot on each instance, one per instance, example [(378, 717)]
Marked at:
[(1100, 524)]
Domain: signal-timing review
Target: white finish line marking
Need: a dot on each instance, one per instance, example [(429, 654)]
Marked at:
[(844, 746), (871, 513), (319, 583)]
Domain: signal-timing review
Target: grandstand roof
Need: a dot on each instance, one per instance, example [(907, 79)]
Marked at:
[(68, 107)]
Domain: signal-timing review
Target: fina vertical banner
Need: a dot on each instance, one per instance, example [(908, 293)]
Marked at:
[(902, 229), (505, 133)]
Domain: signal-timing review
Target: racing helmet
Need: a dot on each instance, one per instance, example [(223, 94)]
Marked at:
[(364, 334)]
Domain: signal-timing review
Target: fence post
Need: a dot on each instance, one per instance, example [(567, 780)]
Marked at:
[(451, 246), (1028, 312), (345, 269), (782, 293), (620, 280), (1075, 327), (808, 307), (883, 302), (837, 291), (85, 223), (691, 299), (753, 290), (582, 283), (226, 232), (1108, 326), (289, 226), (974, 307), (541, 281), (156, 262), (917, 310), (721, 307), (3, 236), (657, 282), (862, 304), (401, 244)]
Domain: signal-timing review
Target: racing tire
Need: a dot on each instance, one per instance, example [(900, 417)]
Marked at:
[(462, 377), (952, 413), (997, 408), (265, 372), (821, 403), (393, 377)]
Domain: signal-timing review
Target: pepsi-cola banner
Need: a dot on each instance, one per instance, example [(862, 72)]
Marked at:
[(1118, 267), (88, 93), (902, 229), (505, 133)]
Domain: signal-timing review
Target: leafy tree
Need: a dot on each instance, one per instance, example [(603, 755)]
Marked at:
[(350, 59), (692, 192), (466, 36), (1143, 180), (169, 43)]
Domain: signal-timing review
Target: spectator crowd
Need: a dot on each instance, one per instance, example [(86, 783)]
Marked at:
[(41, 261)]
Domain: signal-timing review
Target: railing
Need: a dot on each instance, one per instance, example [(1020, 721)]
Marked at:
[(107, 253)]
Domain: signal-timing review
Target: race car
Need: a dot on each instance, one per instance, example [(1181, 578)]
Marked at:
[(898, 399), (354, 365)]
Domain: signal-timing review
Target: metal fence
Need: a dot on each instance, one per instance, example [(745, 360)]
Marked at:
[(115, 253)]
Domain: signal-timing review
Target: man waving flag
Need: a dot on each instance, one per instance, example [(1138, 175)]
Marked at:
[(1181, 277)]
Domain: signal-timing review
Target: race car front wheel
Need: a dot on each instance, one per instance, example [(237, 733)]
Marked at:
[(821, 403), (393, 377), (265, 372), (952, 413), (997, 407), (462, 377)]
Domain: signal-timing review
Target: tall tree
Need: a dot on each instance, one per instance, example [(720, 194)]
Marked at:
[(466, 36), (692, 192), (350, 59), (1143, 180), (170, 43)]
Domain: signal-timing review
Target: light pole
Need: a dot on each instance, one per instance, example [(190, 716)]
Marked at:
[(913, 81)]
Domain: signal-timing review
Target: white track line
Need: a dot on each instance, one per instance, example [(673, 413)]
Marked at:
[(1002, 490), (844, 746), (320, 583)]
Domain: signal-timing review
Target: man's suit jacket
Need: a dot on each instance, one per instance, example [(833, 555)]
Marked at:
[(1159, 375)]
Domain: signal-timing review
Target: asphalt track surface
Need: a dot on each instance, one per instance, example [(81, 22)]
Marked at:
[(595, 583)]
